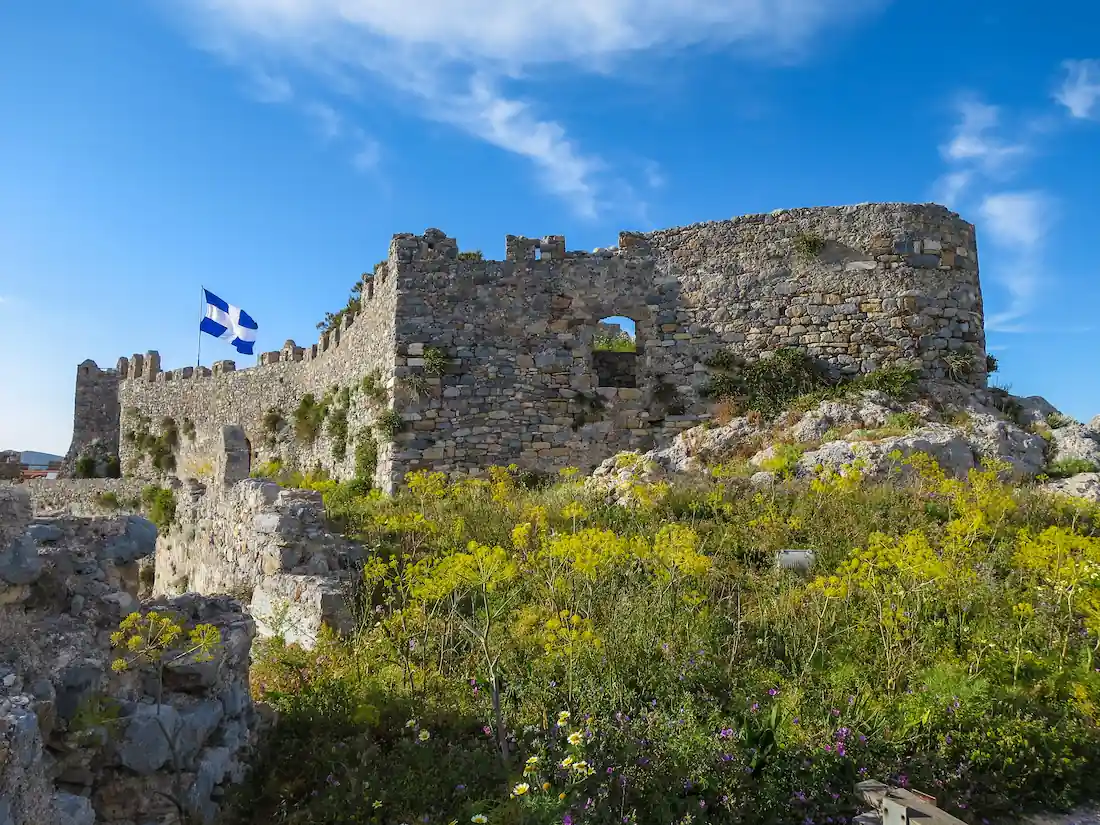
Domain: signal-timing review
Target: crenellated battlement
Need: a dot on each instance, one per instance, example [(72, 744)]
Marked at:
[(513, 376)]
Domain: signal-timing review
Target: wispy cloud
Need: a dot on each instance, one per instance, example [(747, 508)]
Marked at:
[(367, 157), (269, 88), (1018, 221), (451, 59), (328, 121), (1080, 90)]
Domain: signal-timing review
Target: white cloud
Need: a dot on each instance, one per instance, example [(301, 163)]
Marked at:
[(368, 155), (1018, 219), (975, 141), (451, 58), (269, 88), (329, 122), (949, 188), (654, 177), (1018, 222), (1080, 91)]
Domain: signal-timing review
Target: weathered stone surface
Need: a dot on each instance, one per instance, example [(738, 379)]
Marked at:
[(295, 607), (56, 664), (1083, 485), (1075, 442)]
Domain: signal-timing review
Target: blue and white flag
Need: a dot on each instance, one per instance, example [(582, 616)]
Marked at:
[(230, 323)]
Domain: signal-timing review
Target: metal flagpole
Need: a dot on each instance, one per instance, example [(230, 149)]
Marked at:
[(202, 314)]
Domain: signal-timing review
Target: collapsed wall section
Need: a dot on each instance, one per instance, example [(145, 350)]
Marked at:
[(172, 421)]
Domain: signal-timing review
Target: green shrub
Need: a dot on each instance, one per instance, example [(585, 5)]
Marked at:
[(108, 499), (338, 432), (474, 255), (617, 342), (160, 505), (1056, 420), (808, 245), (269, 470), (84, 467), (1067, 467), (389, 424), (991, 365), (366, 457), (959, 363), (784, 460), (902, 421), (308, 417), (273, 420), (372, 387)]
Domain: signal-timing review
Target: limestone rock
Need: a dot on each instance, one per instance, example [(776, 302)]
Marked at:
[(1075, 442), (1082, 485)]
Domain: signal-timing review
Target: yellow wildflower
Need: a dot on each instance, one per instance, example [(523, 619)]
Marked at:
[(521, 789)]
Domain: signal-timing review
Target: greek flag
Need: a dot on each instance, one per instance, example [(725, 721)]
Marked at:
[(229, 323)]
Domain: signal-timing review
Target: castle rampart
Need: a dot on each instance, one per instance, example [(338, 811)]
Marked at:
[(492, 362)]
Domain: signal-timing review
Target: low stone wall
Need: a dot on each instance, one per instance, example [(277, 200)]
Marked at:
[(82, 744), (268, 546), (84, 497)]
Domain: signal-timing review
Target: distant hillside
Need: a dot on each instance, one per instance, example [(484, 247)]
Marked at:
[(34, 458)]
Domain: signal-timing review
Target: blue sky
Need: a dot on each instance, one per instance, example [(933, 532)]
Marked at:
[(269, 149)]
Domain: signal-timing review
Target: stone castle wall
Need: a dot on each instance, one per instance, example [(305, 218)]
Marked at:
[(209, 399), (861, 287), (890, 283)]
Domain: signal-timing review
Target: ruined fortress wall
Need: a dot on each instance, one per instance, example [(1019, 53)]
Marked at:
[(861, 287), (96, 411), (522, 385), (891, 282), (210, 399)]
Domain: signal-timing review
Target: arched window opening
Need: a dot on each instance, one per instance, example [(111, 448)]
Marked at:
[(615, 352)]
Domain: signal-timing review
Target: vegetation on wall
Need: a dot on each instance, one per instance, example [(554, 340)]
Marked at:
[(546, 657), (372, 387), (309, 416), (388, 424), (159, 504), (792, 377), (187, 428), (158, 448), (435, 360), (366, 457), (354, 305), (473, 255), (808, 245)]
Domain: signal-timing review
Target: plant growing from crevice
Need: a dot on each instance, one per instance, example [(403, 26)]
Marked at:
[(155, 641), (959, 364), (338, 432), (309, 415), (808, 245), (366, 457), (84, 467), (435, 361), (372, 387), (1057, 420), (159, 449), (472, 255), (159, 504), (187, 428), (415, 383), (991, 365), (389, 424)]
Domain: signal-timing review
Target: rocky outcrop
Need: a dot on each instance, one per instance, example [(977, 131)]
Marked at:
[(960, 427), (82, 742)]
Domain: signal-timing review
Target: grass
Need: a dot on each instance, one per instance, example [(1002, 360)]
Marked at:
[(543, 656), (160, 506), (791, 379)]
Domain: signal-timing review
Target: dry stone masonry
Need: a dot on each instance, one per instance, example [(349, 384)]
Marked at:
[(81, 744), (492, 362)]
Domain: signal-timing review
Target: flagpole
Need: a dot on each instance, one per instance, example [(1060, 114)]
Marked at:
[(202, 314)]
